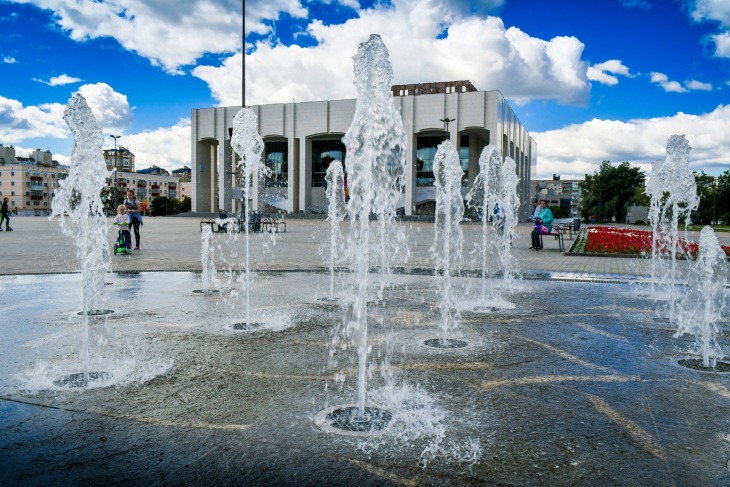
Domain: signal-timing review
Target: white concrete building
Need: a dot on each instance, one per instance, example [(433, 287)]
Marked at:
[(302, 138)]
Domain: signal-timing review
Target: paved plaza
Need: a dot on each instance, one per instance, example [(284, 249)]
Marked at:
[(566, 384), (173, 244)]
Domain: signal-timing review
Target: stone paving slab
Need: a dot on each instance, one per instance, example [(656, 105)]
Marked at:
[(173, 243)]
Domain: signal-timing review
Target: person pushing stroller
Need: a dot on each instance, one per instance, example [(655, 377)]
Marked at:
[(124, 239)]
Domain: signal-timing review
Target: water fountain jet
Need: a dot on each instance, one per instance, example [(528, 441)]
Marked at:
[(700, 312), (79, 197)]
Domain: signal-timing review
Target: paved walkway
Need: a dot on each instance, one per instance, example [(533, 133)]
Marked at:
[(173, 243)]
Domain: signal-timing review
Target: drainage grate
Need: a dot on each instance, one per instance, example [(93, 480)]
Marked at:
[(243, 326), (347, 419), (205, 291), (329, 300), (486, 309), (448, 343), (696, 364), (96, 312), (661, 320), (78, 380)]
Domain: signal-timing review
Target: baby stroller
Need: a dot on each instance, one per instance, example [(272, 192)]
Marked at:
[(119, 247)]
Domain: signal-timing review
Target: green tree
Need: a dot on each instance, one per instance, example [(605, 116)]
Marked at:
[(607, 192), (722, 193), (162, 205), (110, 198), (185, 205), (704, 213)]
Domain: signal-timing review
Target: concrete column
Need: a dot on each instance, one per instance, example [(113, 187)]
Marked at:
[(213, 178), (305, 174), (408, 116), (293, 177), (225, 178)]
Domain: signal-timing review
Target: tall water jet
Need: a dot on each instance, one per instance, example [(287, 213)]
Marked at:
[(78, 204), (701, 309), (376, 145), (207, 260), (336, 212), (447, 243), (509, 203), (247, 143), (673, 193), (482, 193)]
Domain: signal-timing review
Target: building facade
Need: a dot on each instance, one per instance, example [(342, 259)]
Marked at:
[(29, 183), (120, 158), (302, 138), (563, 193), (146, 186)]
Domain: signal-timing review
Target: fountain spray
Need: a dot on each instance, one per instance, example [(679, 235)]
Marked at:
[(247, 143), (207, 260), (79, 197), (701, 309), (335, 214), (484, 188), (447, 243), (673, 193), (376, 146)]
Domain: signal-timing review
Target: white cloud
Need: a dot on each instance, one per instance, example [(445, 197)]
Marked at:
[(599, 72), (166, 32), (18, 122), (9, 60), (722, 44), (111, 109), (59, 80), (697, 85), (578, 149), (718, 10), (479, 49), (168, 148), (669, 86)]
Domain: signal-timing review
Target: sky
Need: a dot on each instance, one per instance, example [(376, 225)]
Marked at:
[(591, 81)]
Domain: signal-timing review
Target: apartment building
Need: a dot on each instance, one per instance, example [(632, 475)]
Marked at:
[(563, 193), (147, 184), (120, 158), (29, 182)]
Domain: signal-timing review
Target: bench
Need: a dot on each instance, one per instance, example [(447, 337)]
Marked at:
[(271, 223), (563, 228), (558, 236), (208, 221)]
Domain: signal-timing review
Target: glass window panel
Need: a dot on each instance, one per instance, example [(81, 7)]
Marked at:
[(323, 153)]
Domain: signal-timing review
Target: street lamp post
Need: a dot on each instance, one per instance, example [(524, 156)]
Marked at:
[(447, 121), (116, 189)]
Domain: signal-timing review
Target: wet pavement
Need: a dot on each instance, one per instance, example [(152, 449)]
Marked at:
[(575, 385)]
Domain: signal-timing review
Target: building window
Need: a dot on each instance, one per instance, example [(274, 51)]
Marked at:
[(277, 160), (45, 203), (425, 151), (12, 203), (12, 173), (27, 193), (36, 203), (12, 183), (464, 155), (27, 183), (27, 175), (324, 152), (12, 193)]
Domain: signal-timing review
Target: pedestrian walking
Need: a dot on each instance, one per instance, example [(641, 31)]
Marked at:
[(5, 216)]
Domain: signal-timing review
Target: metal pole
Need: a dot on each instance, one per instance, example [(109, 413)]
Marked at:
[(116, 189)]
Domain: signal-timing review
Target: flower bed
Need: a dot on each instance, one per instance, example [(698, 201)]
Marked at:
[(627, 241)]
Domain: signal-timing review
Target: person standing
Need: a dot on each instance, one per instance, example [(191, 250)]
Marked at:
[(544, 218), (134, 209), (5, 216)]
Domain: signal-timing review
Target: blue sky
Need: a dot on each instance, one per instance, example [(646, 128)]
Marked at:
[(608, 79)]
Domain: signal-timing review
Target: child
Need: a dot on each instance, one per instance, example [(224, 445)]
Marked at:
[(123, 221)]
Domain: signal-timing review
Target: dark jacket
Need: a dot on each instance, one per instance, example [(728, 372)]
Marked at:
[(4, 209)]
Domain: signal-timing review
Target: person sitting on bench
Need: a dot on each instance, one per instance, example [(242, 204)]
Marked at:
[(544, 218)]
